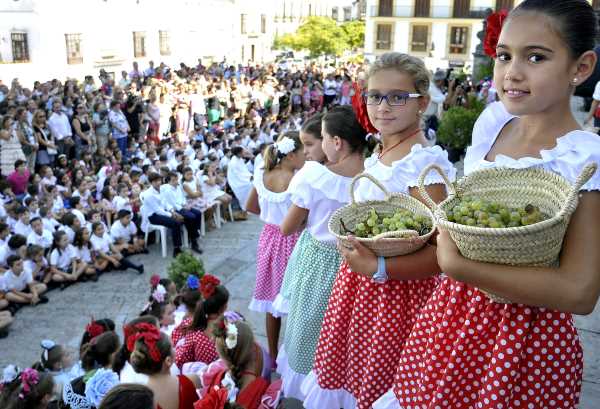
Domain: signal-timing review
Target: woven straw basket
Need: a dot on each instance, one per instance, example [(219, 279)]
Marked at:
[(537, 244), (389, 244)]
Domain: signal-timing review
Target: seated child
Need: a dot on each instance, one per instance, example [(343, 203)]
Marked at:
[(36, 264), (85, 254), (22, 225), (243, 369), (39, 236), (107, 254), (64, 261), (22, 288), (124, 233)]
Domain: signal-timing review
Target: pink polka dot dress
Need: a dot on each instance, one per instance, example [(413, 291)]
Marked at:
[(274, 249), (366, 323), (466, 351)]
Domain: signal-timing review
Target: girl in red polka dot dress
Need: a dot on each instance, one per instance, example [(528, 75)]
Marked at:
[(193, 337), (465, 350), (369, 315), (271, 199)]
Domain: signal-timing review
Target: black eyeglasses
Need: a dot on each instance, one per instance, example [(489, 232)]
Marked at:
[(394, 98)]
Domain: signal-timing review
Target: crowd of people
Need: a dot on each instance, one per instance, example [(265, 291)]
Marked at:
[(362, 331)]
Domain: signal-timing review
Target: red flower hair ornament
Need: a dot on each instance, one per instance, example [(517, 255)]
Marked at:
[(150, 337), (495, 21), (155, 280), (360, 109), (130, 333), (94, 329), (208, 284), (216, 398)]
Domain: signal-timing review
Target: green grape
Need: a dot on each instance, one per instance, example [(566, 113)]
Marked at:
[(371, 222)]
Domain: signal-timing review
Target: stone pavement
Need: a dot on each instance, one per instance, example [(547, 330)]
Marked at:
[(230, 253)]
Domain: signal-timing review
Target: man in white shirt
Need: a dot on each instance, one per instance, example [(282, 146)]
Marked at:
[(60, 128), (155, 211), (16, 245), (124, 233), (39, 236), (173, 197), (436, 100), (330, 92), (22, 289), (595, 107)]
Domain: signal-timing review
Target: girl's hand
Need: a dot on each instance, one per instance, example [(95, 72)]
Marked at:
[(448, 255), (360, 259)]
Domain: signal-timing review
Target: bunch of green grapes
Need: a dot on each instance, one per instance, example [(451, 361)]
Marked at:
[(483, 213), (376, 223)]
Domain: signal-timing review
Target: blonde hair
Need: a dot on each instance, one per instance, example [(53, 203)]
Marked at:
[(270, 155), (406, 64), (238, 358)]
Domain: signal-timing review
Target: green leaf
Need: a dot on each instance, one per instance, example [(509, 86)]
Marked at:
[(184, 265)]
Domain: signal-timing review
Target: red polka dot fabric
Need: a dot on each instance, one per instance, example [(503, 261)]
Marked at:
[(192, 346), (468, 352), (363, 332)]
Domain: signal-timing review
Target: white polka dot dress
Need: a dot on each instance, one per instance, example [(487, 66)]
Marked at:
[(466, 351), (366, 323)]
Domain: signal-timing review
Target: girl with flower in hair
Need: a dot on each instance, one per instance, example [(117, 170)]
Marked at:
[(466, 350), (28, 389), (57, 361), (241, 371), (153, 356), (375, 300), (86, 392), (271, 199), (193, 338), (317, 191), (160, 306), (186, 301)]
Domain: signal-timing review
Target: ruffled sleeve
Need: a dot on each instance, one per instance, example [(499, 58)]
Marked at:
[(486, 130), (314, 182), (571, 154), (263, 192), (419, 158)]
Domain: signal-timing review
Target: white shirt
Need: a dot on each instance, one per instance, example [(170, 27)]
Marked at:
[(596, 95), (151, 204), (22, 228), (17, 283), (59, 126), (172, 197), (84, 254), (5, 251), (120, 203), (437, 98), (69, 232), (29, 266), (44, 240), (118, 231), (101, 244), (63, 259), (273, 206), (50, 224), (79, 215)]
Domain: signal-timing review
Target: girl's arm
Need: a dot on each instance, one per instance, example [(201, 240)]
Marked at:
[(190, 193), (573, 287), (294, 220), (418, 265), (252, 203)]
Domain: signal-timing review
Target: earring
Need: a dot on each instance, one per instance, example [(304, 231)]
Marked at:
[(575, 80)]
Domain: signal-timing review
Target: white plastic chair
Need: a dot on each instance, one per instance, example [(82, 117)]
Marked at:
[(162, 230)]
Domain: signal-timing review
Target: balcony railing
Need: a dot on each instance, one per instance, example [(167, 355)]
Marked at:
[(435, 12)]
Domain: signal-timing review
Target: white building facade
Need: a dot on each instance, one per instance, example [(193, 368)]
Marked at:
[(43, 39), (442, 32)]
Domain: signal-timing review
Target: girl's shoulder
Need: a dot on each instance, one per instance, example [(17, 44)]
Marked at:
[(487, 128), (409, 168), (316, 181), (263, 192)]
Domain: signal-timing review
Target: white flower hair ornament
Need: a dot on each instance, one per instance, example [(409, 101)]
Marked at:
[(231, 335), (285, 145), (159, 294)]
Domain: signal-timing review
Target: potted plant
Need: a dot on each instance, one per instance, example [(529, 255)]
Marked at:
[(456, 128), (183, 265)]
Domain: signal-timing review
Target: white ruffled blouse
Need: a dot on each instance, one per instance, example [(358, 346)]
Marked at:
[(322, 192), (273, 205), (572, 152), (403, 173)]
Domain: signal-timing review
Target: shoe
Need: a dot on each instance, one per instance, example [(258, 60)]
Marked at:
[(94, 278), (43, 299), (197, 249), (145, 251), (3, 333), (140, 269), (83, 278), (63, 286), (176, 251), (14, 308)]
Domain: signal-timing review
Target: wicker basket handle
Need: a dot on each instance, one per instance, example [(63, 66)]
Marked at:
[(423, 192), (398, 234), (372, 179), (573, 198)]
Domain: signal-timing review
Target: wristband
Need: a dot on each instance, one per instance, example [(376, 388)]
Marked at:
[(381, 275)]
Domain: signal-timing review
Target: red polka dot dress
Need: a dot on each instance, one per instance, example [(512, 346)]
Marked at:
[(193, 346), (466, 351), (366, 323)]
